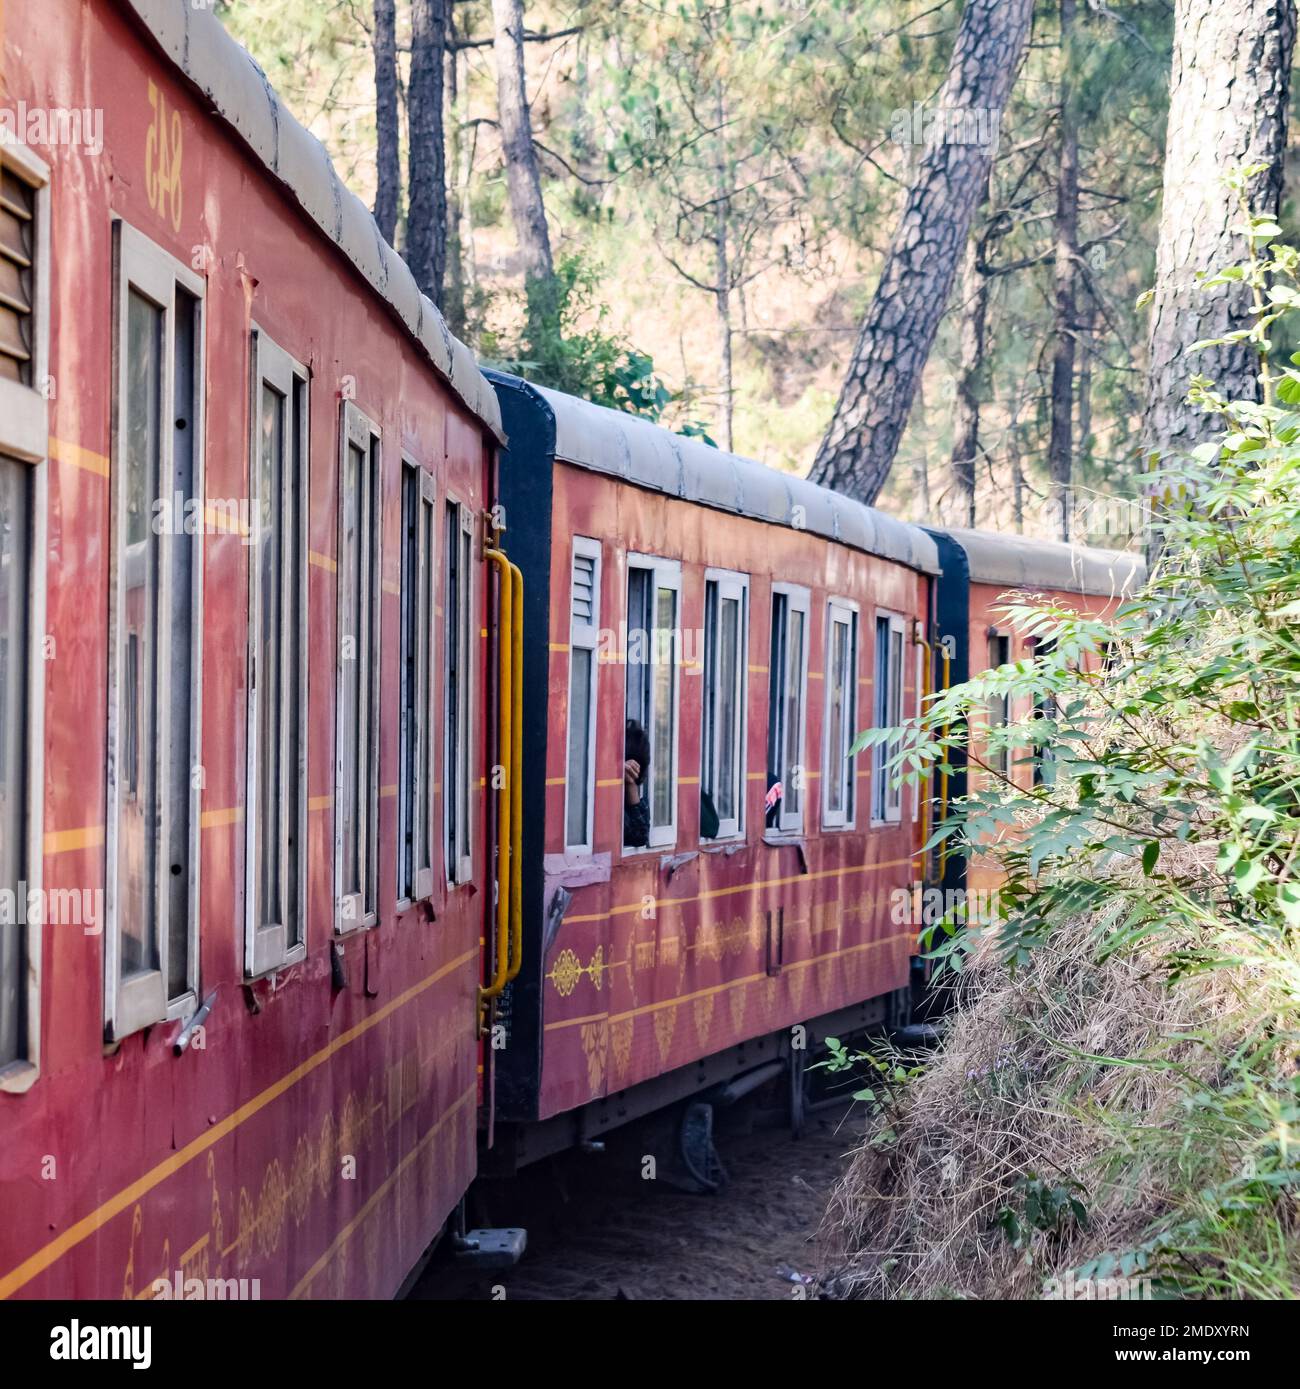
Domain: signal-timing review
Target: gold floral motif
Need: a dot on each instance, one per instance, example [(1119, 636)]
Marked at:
[(593, 1046), (737, 997), (565, 972), (703, 1011), (620, 1039), (665, 1024)]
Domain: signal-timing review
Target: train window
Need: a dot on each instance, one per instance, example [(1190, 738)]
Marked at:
[(652, 660), (887, 799), (838, 781), (584, 623), (786, 773), (999, 712), (24, 435), (275, 894), (154, 651), (726, 652), (356, 800), (415, 800), (459, 648)]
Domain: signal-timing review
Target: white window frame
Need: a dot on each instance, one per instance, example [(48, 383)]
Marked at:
[(360, 910), (425, 601), (584, 636), (138, 263), (459, 857), (836, 763), (734, 585), (996, 634), (885, 797), (798, 599), (266, 944), (24, 435), (664, 573)]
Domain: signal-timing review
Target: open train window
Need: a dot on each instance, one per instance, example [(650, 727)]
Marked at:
[(580, 765), (155, 621), (999, 712), (839, 719), (726, 652), (275, 890), (786, 773), (24, 437), (415, 784), (652, 661), (887, 798), (356, 800), (458, 626)]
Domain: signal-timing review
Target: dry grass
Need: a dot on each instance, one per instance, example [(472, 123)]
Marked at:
[(1022, 1089)]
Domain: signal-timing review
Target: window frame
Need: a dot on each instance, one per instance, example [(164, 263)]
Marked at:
[(458, 858), (841, 612), (1002, 766), (266, 945), (887, 800), (584, 636), (798, 598), (732, 584), (352, 911), (420, 883), (24, 437), (665, 573), (140, 264)]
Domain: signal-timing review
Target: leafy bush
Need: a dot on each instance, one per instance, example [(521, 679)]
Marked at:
[(1169, 828)]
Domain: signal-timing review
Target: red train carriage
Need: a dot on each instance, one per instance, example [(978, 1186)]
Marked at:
[(242, 687), (751, 623), (980, 570)]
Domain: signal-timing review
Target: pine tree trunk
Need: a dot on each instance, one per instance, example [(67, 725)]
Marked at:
[(1060, 448), (426, 224), (523, 179), (453, 307), (974, 293), (387, 158), (900, 326), (722, 292), (1227, 108)]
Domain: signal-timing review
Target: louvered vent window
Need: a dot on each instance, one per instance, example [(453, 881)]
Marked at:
[(17, 253), (580, 777)]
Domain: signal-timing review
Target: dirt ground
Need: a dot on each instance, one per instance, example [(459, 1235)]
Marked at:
[(597, 1229)]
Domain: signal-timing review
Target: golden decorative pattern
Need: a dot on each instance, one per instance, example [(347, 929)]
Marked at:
[(737, 998), (665, 1024), (565, 972), (703, 1010), (593, 1047), (620, 1040)]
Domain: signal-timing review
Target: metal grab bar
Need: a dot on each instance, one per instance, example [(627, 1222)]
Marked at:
[(516, 773), (943, 775), (505, 747)]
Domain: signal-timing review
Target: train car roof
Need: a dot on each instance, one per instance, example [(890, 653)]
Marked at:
[(642, 453), (197, 43), (1020, 561)]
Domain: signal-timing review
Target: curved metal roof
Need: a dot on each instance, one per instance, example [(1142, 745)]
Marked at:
[(197, 43), (611, 441), (1019, 561)]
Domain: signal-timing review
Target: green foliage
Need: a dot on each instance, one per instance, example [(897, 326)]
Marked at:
[(1170, 826), (564, 343), (1038, 1206)]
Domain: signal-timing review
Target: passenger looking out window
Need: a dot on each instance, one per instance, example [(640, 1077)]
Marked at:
[(636, 806)]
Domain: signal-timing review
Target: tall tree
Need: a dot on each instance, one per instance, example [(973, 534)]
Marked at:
[(426, 220), (859, 447), (387, 158), (523, 178), (1060, 448), (971, 377), (1227, 109)]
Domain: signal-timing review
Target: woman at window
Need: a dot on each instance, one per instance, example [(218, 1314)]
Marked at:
[(636, 767)]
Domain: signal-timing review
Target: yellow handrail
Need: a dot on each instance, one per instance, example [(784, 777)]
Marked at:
[(505, 747), (919, 640), (516, 775), (943, 775)]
